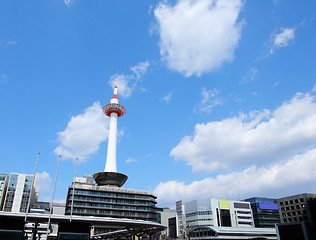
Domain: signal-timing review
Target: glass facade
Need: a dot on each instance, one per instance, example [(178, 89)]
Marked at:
[(91, 200), (265, 212), (18, 192)]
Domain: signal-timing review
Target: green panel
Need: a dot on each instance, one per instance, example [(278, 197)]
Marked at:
[(73, 236), (11, 234), (224, 204)]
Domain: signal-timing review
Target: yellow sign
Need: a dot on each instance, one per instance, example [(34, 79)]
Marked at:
[(224, 204)]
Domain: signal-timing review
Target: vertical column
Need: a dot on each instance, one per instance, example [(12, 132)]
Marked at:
[(110, 165)]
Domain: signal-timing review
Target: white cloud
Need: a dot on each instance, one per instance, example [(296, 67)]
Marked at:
[(127, 83), (122, 83), (198, 36), (282, 39), (295, 175), (43, 181), (140, 69), (167, 98), (131, 160), (69, 2), (253, 138), (314, 88), (83, 134), (210, 99)]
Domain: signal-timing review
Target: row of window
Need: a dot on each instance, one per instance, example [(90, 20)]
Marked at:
[(97, 199), (295, 219), (122, 195), (292, 201), (110, 206), (201, 213), (113, 213), (199, 220), (244, 217), (299, 213), (244, 223), (283, 209), (243, 212)]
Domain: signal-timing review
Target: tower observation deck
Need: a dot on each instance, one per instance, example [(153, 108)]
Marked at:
[(110, 176)]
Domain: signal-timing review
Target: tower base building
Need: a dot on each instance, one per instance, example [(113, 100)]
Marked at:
[(89, 199)]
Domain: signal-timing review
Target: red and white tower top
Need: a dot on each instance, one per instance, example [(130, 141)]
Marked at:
[(114, 107)]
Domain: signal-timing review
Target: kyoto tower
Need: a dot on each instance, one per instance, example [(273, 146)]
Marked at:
[(110, 176)]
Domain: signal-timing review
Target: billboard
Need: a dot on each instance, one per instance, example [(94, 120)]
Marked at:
[(270, 206)]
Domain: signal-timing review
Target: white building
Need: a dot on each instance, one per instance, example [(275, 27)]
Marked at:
[(18, 194), (3, 188), (215, 212)]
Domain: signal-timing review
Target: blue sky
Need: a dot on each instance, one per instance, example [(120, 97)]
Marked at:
[(220, 95)]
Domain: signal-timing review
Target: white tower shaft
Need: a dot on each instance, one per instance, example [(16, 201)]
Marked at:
[(110, 165)]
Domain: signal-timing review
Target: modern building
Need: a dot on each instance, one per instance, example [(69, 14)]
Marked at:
[(172, 226), (180, 233), (3, 188), (298, 212), (21, 189), (164, 214), (218, 219), (215, 212), (110, 201), (265, 211)]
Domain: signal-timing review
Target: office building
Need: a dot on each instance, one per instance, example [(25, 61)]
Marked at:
[(265, 211), (3, 188), (21, 189), (164, 215), (298, 211), (219, 219), (110, 201), (215, 212), (172, 226), (179, 220)]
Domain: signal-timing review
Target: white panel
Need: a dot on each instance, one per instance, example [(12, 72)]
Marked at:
[(18, 193)]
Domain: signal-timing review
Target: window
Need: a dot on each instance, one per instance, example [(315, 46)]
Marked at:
[(241, 205)]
